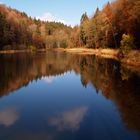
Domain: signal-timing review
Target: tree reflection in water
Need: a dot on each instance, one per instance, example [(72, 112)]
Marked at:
[(117, 83)]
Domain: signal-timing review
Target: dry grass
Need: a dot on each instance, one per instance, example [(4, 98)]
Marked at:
[(107, 53), (11, 51), (20, 51), (132, 59)]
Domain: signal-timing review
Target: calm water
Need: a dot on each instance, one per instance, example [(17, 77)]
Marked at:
[(59, 96)]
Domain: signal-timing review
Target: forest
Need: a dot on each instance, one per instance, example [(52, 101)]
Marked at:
[(18, 31), (117, 25)]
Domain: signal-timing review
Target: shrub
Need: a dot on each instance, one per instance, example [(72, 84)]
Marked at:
[(127, 44), (63, 44), (7, 47), (55, 44), (32, 48)]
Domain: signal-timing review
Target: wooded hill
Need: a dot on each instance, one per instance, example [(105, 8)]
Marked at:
[(117, 25), (18, 31)]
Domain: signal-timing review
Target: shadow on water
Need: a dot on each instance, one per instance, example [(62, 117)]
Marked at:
[(117, 83)]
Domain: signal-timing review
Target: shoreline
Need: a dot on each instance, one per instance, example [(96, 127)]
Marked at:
[(20, 51), (106, 53), (132, 59)]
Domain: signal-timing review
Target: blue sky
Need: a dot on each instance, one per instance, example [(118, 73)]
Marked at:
[(65, 11)]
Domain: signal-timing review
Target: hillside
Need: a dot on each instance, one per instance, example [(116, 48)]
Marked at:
[(18, 31), (115, 26)]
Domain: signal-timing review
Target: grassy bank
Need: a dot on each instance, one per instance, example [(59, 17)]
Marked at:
[(21, 51), (107, 53), (132, 58)]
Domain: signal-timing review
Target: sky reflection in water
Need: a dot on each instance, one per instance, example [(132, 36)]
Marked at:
[(57, 96)]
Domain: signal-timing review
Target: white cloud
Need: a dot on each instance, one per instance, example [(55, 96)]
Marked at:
[(69, 120), (50, 17), (49, 79), (8, 116)]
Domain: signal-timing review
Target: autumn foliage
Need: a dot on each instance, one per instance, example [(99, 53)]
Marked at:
[(18, 31), (106, 27)]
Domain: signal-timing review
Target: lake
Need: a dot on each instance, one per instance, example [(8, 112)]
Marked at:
[(63, 96)]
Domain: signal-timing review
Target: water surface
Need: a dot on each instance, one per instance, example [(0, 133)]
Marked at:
[(60, 96)]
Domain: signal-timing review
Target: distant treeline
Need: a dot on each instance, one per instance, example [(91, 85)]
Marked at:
[(18, 31), (117, 25)]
